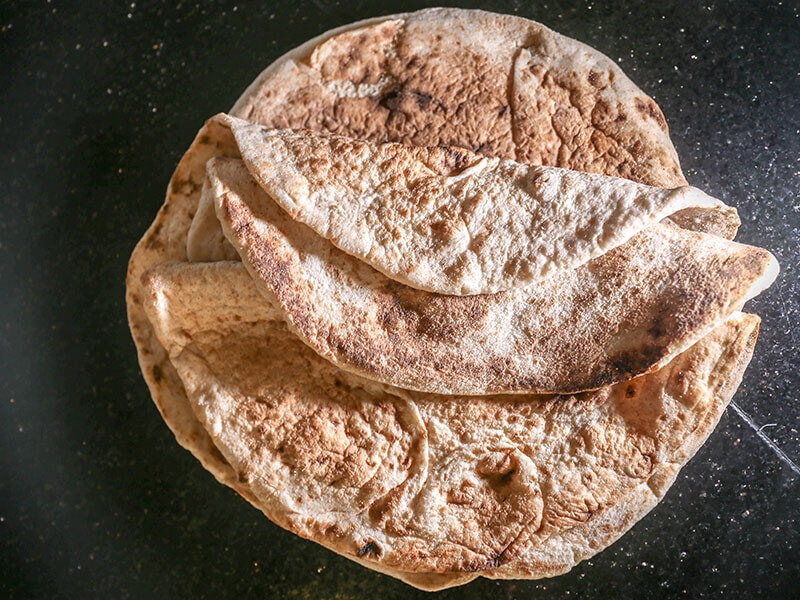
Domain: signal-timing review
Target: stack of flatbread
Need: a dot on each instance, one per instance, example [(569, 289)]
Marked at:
[(436, 295)]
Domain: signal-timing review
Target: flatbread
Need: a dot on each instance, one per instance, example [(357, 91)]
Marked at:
[(448, 220), (400, 91), (498, 486), (495, 84), (165, 240), (613, 318)]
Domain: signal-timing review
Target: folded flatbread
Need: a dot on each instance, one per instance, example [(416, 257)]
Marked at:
[(498, 85), (445, 219), (432, 489), (501, 486), (613, 318)]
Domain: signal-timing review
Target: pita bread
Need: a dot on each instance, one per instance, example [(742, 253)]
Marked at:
[(614, 318), (164, 241), (448, 220), (500, 486), (498, 85), (330, 85)]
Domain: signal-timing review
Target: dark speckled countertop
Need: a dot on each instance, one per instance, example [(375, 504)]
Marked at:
[(100, 99)]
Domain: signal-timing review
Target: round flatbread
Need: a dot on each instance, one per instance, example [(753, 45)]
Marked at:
[(499, 86), (606, 321), (500, 486), (448, 220)]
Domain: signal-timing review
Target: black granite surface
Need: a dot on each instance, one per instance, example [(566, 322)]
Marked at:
[(98, 100)]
